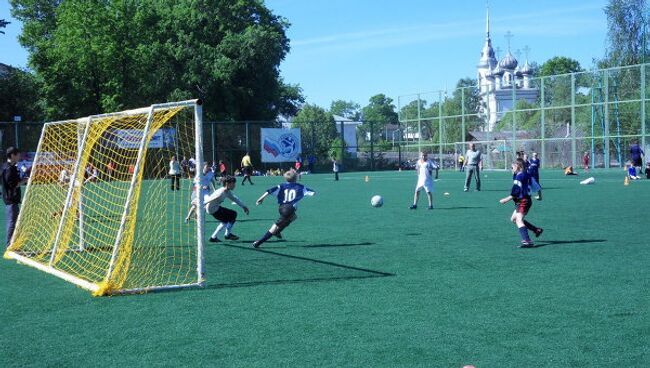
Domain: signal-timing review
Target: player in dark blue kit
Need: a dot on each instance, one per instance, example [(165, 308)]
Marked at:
[(533, 172), (519, 193), (288, 194)]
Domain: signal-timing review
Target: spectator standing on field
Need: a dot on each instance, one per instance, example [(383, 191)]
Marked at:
[(636, 156), (311, 161), (247, 168), (175, 173), (185, 167), (11, 183), (461, 162), (473, 166), (585, 161), (335, 168), (222, 168)]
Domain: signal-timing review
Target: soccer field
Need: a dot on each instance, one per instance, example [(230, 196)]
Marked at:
[(353, 285)]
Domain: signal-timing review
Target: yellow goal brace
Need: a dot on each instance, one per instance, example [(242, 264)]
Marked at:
[(101, 209)]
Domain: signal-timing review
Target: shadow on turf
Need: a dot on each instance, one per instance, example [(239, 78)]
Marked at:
[(457, 208), (367, 273), (559, 242), (335, 245), (211, 219)]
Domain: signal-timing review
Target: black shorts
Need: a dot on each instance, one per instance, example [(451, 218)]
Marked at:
[(225, 215), (523, 205), (287, 215), (637, 162), (247, 170)]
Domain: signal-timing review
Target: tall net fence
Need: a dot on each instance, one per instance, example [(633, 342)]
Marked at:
[(591, 117), (598, 113)]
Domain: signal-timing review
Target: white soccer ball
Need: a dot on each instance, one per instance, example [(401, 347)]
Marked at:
[(377, 201)]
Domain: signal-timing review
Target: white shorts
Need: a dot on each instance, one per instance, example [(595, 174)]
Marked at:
[(426, 185)]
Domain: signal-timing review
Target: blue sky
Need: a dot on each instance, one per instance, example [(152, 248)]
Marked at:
[(353, 49)]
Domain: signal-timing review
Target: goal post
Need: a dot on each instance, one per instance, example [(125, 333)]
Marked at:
[(100, 210)]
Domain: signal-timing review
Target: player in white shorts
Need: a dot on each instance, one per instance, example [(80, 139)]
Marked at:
[(423, 168)]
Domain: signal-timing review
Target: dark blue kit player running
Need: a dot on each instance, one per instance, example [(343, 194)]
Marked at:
[(533, 171), (519, 194), (288, 194)]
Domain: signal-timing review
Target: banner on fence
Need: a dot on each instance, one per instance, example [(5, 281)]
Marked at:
[(280, 145), (130, 138)]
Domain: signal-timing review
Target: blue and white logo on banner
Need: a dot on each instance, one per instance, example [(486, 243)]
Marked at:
[(280, 145)]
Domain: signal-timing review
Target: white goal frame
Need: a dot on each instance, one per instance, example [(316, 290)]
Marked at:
[(86, 122)]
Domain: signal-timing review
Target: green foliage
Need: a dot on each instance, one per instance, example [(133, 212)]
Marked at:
[(625, 32), (96, 56), (347, 109), (337, 147), (19, 92), (525, 120), (318, 129), (463, 100), (559, 65), (380, 111)]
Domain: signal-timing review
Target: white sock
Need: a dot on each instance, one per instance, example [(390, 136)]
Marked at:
[(216, 231), (229, 226)]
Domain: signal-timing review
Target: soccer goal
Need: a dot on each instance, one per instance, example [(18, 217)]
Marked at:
[(99, 209)]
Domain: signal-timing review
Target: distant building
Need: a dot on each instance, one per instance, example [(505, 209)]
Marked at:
[(497, 79), (349, 131)]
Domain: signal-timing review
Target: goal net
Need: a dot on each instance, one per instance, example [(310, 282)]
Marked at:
[(99, 209)]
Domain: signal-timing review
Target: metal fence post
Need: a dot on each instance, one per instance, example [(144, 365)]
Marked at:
[(543, 118), (343, 143), (419, 125), (606, 156), (214, 141), (573, 120), (643, 102), (514, 118), (372, 146), (440, 128)]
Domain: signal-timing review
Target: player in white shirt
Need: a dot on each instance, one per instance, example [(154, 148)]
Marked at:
[(225, 216), (64, 177), (206, 184), (423, 168)]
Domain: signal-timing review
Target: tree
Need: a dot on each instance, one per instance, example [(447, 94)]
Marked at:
[(379, 112), (559, 65), (318, 129), (526, 120), (337, 147), (3, 24), (19, 96), (625, 32), (97, 56), (347, 109)]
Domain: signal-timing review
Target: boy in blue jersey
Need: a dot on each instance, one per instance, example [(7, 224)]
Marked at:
[(288, 194), (519, 193), (533, 172), (631, 172)]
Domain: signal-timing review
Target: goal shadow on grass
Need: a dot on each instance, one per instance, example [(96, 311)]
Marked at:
[(244, 266)]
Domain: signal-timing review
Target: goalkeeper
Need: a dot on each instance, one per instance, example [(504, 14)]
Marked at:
[(206, 183), (225, 216)]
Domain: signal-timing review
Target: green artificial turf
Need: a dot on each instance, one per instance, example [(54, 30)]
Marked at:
[(354, 285)]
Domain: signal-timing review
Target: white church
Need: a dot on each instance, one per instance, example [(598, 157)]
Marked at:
[(497, 79)]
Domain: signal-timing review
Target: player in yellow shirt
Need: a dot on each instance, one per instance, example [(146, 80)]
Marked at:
[(247, 168)]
